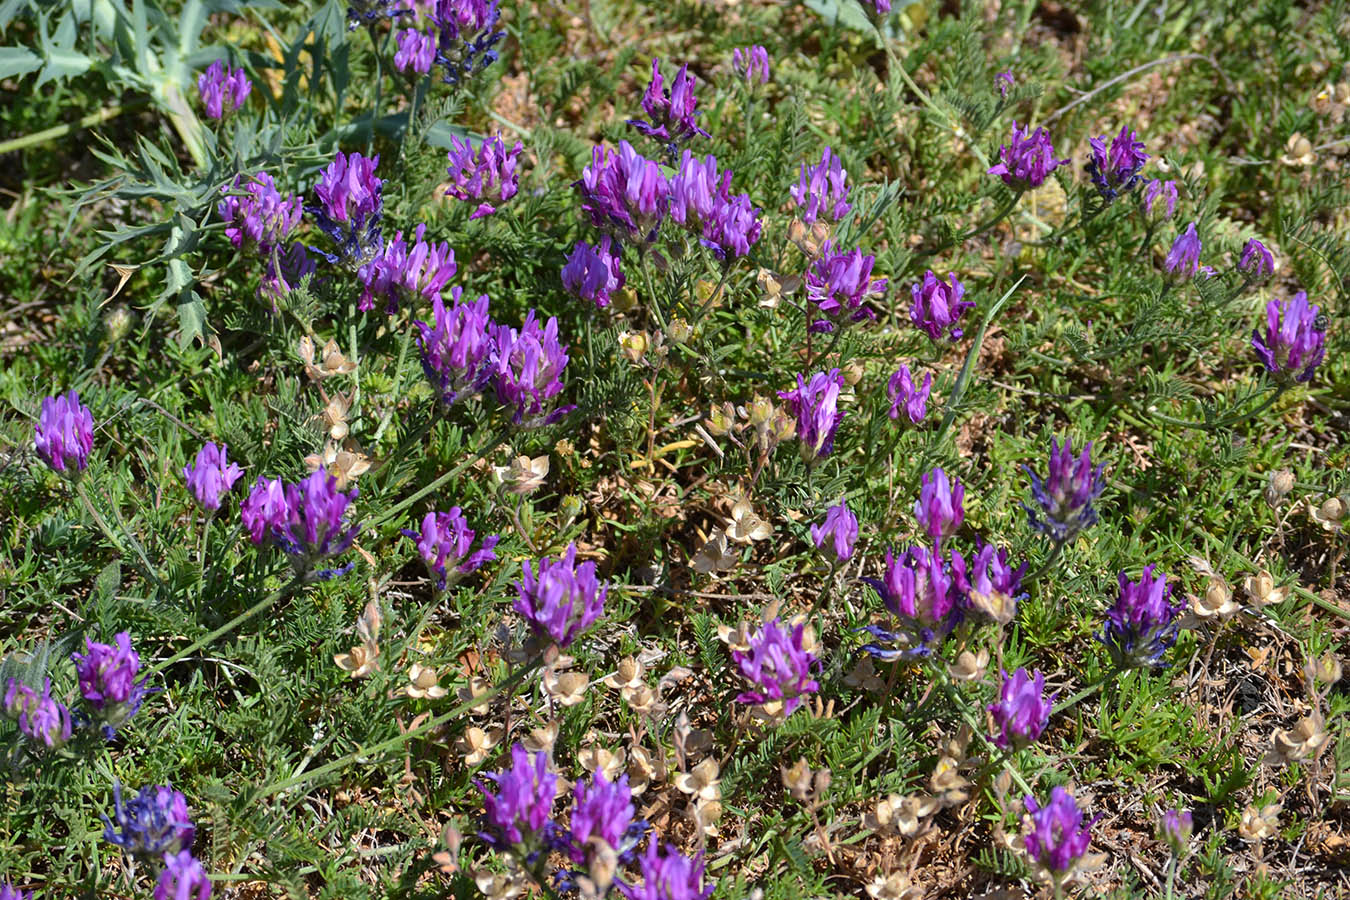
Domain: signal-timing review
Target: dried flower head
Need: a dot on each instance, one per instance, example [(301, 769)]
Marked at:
[(423, 683), (476, 743), (1215, 603), (1261, 589), (1260, 823), (1304, 741), (969, 666), (703, 781)]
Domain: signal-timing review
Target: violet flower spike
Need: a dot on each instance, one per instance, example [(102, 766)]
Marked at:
[(107, 676), (154, 822), (702, 201), (416, 51), (1116, 171), (840, 283), (222, 89), (667, 874), (559, 598), (10, 892), (1183, 260), (939, 507), (840, 530), (815, 404), (487, 175), (466, 36), (593, 273), (1175, 829), (1027, 160), (264, 509), (1164, 191), (1065, 498), (402, 273), (673, 113), (42, 718), (457, 347), (445, 544), (778, 665), (937, 308), (883, 7), (259, 214), (1022, 710), (603, 809), (315, 528), (624, 193), (1142, 625), (1256, 261), (903, 393), (822, 190), (183, 878), (751, 63), (921, 591), (211, 475), (991, 586), (528, 371), (522, 806), (1055, 836), (1293, 339), (351, 203), (64, 435)]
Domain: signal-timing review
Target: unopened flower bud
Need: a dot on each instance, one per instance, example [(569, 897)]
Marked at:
[(118, 323), (633, 345)]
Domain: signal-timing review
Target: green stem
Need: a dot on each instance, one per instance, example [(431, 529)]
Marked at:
[(112, 536), (403, 504), (59, 131), (229, 626), (1171, 875), (961, 380), (1225, 422), (1002, 213), (1049, 562)]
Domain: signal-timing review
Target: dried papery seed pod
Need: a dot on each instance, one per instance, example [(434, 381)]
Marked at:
[(644, 768), (895, 886), (716, 555), (949, 787), (628, 674), (863, 675), (822, 783), (853, 372), (472, 690), (1330, 513), (797, 780), (476, 743), (633, 345), (542, 739), (1281, 484), (1216, 603), (701, 782), (597, 759), (642, 699), (424, 683), (1298, 151), (1326, 670), (566, 688), (969, 666), (745, 526), (523, 475), (334, 414), (1304, 741), (1261, 590), (705, 815), (1259, 823)]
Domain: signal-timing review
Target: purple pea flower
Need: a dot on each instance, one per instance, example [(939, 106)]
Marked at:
[(220, 86), (351, 203), (1256, 261), (65, 433), (1056, 837), (260, 214), (816, 406), (520, 809), (778, 666), (938, 307), (183, 878), (624, 193), (284, 274), (9, 892), (673, 113), (1293, 338), (883, 7), (560, 598), (1027, 160), (603, 809), (1142, 625), (457, 347), (399, 272), (107, 675), (486, 175), (466, 35), (1005, 82), (264, 509), (307, 520), (840, 528), (1065, 497), (445, 542), (1166, 191), (939, 507), (991, 586), (1022, 710), (822, 190), (667, 874), (902, 392), (42, 718), (921, 591), (1175, 830), (528, 368), (702, 201), (751, 63), (1183, 260), (839, 283), (416, 51), (1116, 171), (152, 823), (593, 273), (212, 475)]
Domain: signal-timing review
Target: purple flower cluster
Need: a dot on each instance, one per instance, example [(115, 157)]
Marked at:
[(840, 529), (668, 874), (918, 587), (1164, 191), (416, 51), (65, 433), (593, 273), (673, 112), (466, 35), (702, 201), (751, 63), (41, 717), (778, 666), (528, 365), (107, 676), (445, 544), (1116, 171), (151, 824), (1005, 82), (183, 878), (222, 87), (1142, 625), (457, 347), (307, 520), (351, 202), (839, 283), (1065, 497), (1027, 160), (1022, 710), (937, 306), (604, 810), (815, 404), (1292, 340), (624, 193), (368, 12), (559, 598), (1183, 260), (1056, 837), (399, 272), (521, 808), (1256, 261), (1175, 830), (939, 508), (9, 892), (822, 190), (211, 475), (487, 175), (990, 585), (259, 214), (903, 392)]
